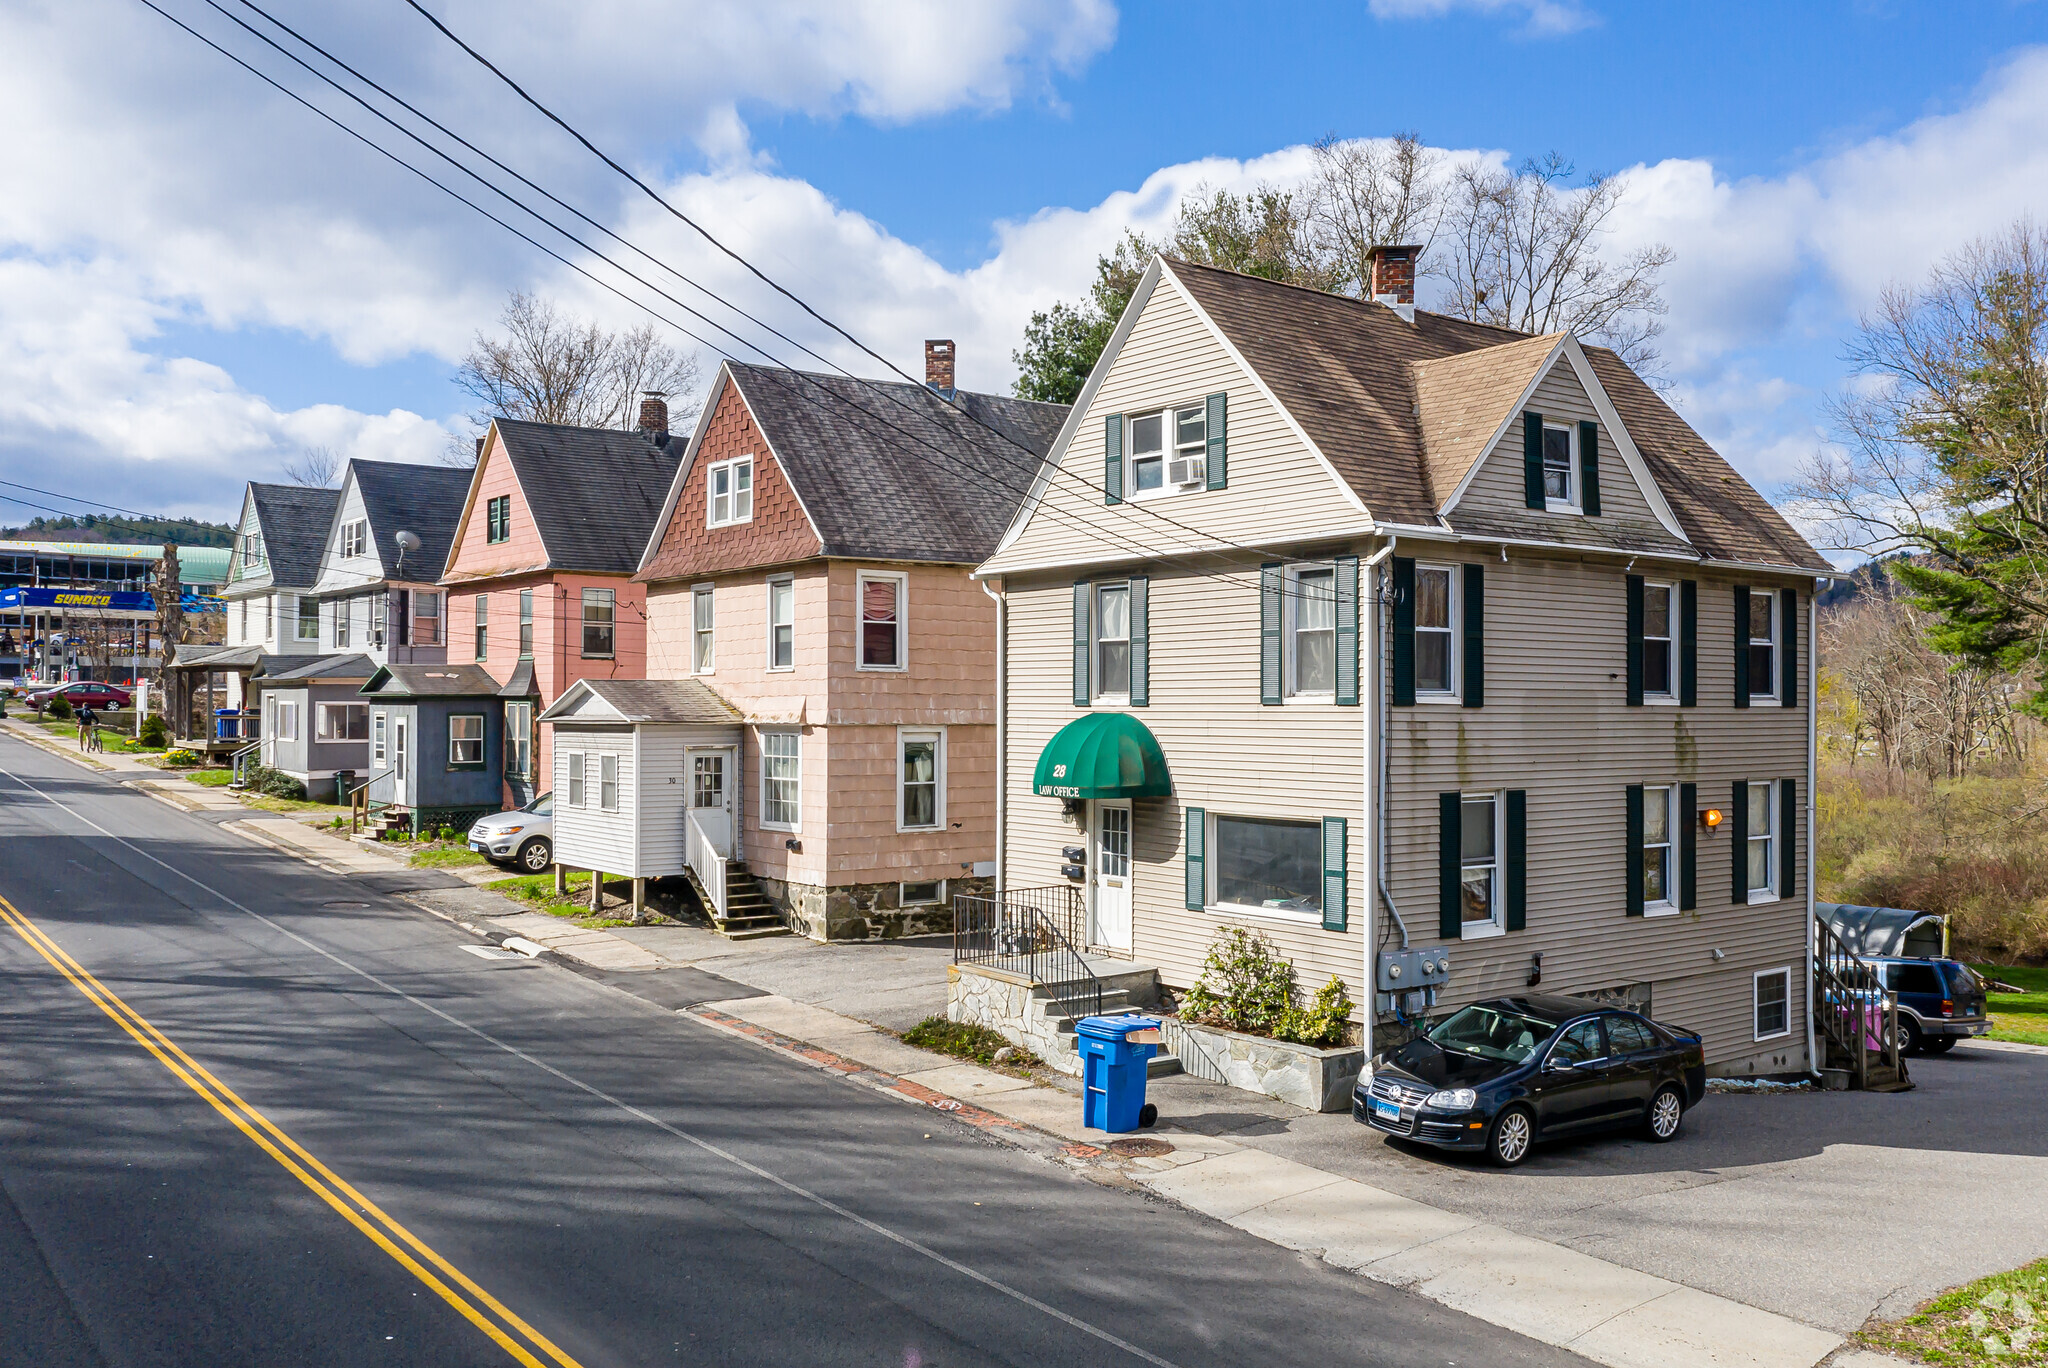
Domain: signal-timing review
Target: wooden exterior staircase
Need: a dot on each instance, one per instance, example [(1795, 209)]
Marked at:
[(1850, 1005)]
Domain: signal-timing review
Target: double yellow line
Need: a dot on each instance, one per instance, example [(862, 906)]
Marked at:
[(482, 1310)]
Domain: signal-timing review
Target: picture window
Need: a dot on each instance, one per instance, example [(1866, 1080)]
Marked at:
[(341, 722), (1267, 864)]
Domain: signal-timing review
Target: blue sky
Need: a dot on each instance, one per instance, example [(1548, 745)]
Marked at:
[(197, 280)]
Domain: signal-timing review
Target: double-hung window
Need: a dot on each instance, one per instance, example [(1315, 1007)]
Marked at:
[(1773, 1003), (342, 607), (1168, 450), (599, 608), (465, 740), (483, 626), (1311, 615), (379, 607), (1148, 453), (498, 519), (1479, 872), (781, 779), (881, 621), (1763, 644), (308, 618), (355, 537), (729, 492), (519, 740), (287, 721), (426, 618), (1112, 641), (1762, 832), (1660, 869), (703, 618), (575, 780), (782, 623), (608, 782), (526, 624), (1657, 653), (1560, 482), (918, 781), (1435, 642)]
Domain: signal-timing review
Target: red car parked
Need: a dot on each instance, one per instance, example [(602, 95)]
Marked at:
[(82, 693)]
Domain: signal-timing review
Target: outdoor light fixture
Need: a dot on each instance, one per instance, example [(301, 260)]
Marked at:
[(1712, 818)]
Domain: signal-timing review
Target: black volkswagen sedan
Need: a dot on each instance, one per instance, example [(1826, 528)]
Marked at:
[(1499, 1076)]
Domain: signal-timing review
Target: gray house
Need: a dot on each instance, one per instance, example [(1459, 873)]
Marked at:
[(381, 561), (437, 742), (276, 559), (315, 722)]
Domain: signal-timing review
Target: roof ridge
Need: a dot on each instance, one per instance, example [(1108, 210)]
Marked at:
[(1353, 300)]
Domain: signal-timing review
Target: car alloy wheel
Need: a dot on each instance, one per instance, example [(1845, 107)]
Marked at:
[(1513, 1133), (536, 856), (1667, 1109), (1909, 1035)]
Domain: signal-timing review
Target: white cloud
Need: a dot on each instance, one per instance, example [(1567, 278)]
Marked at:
[(1541, 18)]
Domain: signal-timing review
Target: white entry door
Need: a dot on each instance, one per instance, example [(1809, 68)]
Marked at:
[(399, 772), (1110, 908), (711, 792)]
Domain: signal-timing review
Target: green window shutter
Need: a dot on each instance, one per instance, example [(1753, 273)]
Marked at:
[(1517, 854), (1141, 641), (1738, 830), (1788, 842), (1404, 631), (1270, 583), (1688, 846), (1347, 630), (1635, 641), (1197, 885), (1741, 645), (1589, 469), (1216, 460), (1335, 884), (1788, 650), (1532, 460), (1450, 920), (1113, 459), (1689, 643), (1081, 697), (1474, 693), (1632, 895)]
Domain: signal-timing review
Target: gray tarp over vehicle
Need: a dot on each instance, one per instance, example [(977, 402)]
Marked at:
[(1884, 930)]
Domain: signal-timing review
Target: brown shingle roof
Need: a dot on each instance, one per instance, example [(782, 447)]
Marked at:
[(1464, 398)]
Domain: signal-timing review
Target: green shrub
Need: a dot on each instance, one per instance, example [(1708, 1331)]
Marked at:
[(962, 1040), (1325, 1023), (274, 783), (155, 731), (182, 757), (1245, 984), (59, 708)]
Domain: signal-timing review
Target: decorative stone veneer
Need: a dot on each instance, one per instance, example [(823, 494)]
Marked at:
[(864, 912), (1004, 1003), (1318, 1080)]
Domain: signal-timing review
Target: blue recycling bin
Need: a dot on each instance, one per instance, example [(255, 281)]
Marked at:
[(1113, 1069)]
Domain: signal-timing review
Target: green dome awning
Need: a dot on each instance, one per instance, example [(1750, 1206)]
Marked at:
[(1102, 755)]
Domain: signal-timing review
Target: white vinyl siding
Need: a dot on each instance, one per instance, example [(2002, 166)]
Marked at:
[(595, 766)]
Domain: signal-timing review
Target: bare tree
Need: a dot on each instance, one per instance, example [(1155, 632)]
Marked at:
[(546, 367), (316, 467), (1521, 249), (1366, 193)]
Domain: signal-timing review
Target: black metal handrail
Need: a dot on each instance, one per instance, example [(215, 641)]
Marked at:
[(1032, 932)]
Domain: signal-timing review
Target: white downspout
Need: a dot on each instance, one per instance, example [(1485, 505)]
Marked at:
[(1375, 745), (1002, 704), (1812, 797)]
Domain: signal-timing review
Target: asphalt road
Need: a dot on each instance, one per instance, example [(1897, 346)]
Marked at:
[(254, 1114)]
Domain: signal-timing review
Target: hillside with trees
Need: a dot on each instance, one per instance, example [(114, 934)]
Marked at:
[(95, 528)]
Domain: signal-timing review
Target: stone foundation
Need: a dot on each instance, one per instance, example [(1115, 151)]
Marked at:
[(1313, 1079), (864, 912)]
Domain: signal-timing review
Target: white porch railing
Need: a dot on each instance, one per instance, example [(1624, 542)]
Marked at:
[(707, 864)]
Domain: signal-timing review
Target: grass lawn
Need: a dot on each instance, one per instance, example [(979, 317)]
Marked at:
[(538, 892), (2021, 1016), (1994, 1320), (446, 857), (212, 778), (266, 803)]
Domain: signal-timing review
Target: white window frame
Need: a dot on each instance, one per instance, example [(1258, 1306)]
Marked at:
[(860, 584), (1756, 1002), (937, 736), (380, 731), (1574, 500), (518, 741), (730, 471), (1096, 693), (355, 538), (773, 582), (575, 771), (704, 634), (608, 782), (323, 729), (1290, 609), (1212, 871), (426, 608), (1668, 906), (766, 824), (1770, 597), (903, 898), (483, 733), (1455, 648), (1669, 694), (1498, 925), (287, 720), (300, 602), (1769, 892), (595, 596), (1171, 450), (483, 627)]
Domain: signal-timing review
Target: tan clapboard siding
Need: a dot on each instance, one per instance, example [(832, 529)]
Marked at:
[(1556, 723), (589, 837), (1278, 490), (1559, 397), (1228, 754)]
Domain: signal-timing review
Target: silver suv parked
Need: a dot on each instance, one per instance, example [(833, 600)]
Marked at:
[(524, 837)]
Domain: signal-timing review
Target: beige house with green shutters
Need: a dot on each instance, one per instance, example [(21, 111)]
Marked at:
[(1375, 629)]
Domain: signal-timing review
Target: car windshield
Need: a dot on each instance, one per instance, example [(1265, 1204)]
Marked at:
[(542, 806), (1492, 1033)]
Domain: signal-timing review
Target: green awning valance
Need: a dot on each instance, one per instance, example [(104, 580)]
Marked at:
[(1102, 755)]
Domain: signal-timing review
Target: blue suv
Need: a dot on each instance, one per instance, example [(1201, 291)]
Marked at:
[(1940, 1002)]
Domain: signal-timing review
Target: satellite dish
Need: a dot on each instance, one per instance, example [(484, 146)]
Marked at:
[(407, 541)]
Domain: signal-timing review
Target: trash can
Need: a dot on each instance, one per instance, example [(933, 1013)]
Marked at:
[(344, 780), (1113, 1055)]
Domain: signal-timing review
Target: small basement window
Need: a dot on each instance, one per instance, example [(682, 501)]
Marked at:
[(921, 894), (1773, 1003)]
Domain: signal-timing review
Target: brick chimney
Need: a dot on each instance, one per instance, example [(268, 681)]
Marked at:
[(1393, 278), (653, 411), (938, 365)]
